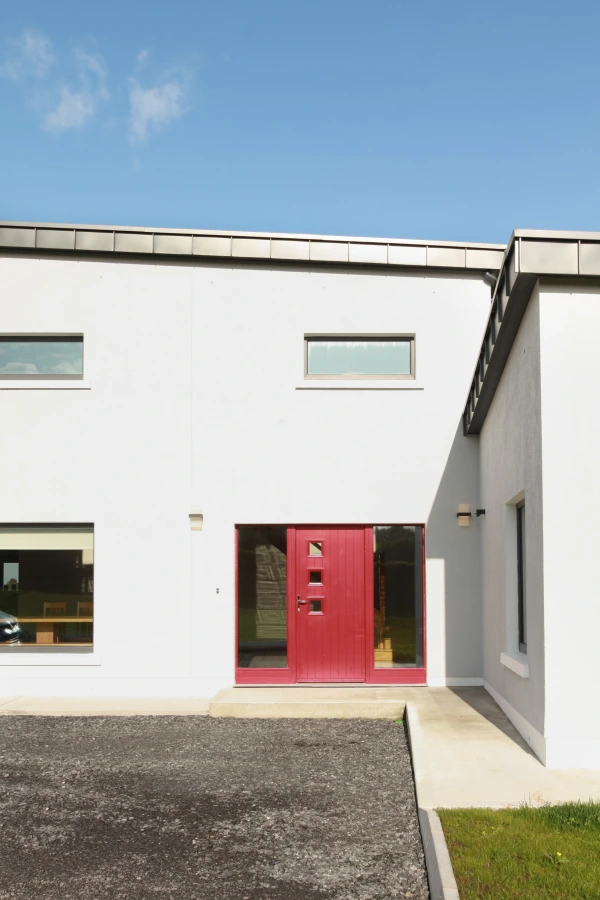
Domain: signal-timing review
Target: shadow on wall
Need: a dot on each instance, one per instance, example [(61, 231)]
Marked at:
[(454, 624)]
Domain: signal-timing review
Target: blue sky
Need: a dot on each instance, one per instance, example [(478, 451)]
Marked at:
[(436, 120)]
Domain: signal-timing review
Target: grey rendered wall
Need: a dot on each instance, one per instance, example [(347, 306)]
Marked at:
[(511, 463)]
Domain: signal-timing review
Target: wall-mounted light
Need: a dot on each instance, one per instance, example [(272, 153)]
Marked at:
[(479, 512), (463, 516), (196, 519)]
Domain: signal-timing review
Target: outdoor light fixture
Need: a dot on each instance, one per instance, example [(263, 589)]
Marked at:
[(490, 279), (463, 516), (479, 512), (196, 519)]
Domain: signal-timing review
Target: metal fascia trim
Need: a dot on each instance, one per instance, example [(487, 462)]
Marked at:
[(138, 229)]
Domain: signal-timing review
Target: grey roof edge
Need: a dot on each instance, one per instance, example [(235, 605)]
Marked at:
[(282, 248), (537, 234), (290, 236), (240, 245), (529, 255)]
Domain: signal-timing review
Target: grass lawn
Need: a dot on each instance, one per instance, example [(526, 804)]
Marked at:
[(548, 852)]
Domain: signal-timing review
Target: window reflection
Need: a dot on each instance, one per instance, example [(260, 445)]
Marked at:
[(398, 596), (354, 356), (47, 587), (262, 596), (48, 357)]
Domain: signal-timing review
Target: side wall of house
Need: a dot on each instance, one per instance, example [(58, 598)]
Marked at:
[(511, 470), (570, 379), (196, 399)]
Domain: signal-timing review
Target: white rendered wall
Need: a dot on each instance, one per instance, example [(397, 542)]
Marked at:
[(570, 379), (511, 469), (194, 402)]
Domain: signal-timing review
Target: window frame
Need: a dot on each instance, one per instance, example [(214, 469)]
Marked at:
[(46, 338), (375, 676), (41, 653), (362, 336), (521, 578)]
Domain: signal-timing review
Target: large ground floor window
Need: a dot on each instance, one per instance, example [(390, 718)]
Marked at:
[(330, 604), (47, 588)]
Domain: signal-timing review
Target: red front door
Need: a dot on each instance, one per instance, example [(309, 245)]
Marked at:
[(330, 604)]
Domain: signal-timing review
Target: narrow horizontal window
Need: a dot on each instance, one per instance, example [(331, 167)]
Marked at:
[(358, 356), (27, 357), (47, 586)]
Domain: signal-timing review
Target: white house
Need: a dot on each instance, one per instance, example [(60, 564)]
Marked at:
[(246, 459)]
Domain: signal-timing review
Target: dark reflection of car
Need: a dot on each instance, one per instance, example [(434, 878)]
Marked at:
[(10, 630)]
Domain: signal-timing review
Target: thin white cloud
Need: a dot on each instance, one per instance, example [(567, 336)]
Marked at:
[(32, 57), (19, 368), (73, 111), (76, 107), (69, 103), (153, 108), (88, 63)]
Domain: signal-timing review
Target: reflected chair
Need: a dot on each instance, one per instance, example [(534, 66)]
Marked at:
[(48, 634), (54, 608)]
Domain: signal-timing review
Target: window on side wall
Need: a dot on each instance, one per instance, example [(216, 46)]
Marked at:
[(47, 587), (521, 580), (365, 356), (29, 357)]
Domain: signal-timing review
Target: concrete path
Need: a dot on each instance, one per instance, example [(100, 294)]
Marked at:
[(467, 753), (322, 702), (101, 706)]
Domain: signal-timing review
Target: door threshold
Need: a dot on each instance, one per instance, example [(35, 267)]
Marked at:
[(329, 685)]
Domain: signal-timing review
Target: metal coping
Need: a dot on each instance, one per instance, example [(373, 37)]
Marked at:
[(529, 255), (297, 248)]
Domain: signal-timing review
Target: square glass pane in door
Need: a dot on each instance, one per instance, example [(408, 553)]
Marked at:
[(262, 596)]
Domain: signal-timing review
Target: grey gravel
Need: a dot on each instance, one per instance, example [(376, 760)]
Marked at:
[(195, 808)]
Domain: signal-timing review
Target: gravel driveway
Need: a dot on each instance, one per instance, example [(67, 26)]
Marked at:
[(193, 808)]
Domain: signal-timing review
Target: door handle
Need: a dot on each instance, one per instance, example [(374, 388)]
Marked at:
[(301, 602)]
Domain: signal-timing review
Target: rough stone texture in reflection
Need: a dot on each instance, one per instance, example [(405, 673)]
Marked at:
[(195, 808)]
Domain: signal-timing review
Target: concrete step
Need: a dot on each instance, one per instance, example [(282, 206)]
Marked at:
[(309, 703)]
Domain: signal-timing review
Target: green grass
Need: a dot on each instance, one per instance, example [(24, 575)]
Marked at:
[(549, 852)]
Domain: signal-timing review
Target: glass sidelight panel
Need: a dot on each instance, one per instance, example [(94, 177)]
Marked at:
[(398, 596), (262, 596)]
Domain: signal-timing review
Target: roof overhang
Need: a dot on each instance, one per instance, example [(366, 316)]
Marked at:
[(529, 255), (241, 245)]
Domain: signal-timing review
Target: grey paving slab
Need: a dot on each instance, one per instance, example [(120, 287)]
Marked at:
[(190, 807)]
